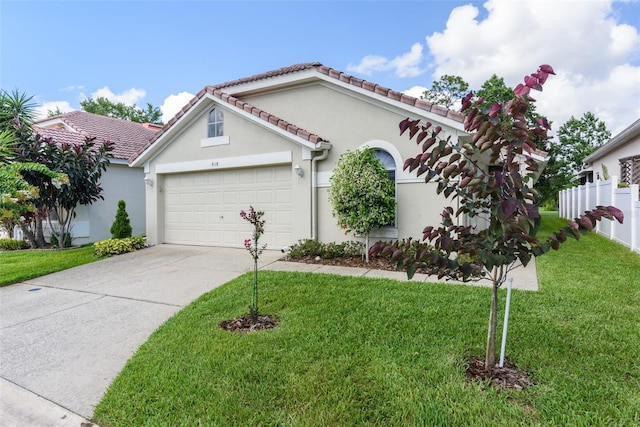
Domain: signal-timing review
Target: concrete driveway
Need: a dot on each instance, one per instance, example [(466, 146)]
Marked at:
[(65, 336)]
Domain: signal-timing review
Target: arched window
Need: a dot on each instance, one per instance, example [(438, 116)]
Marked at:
[(388, 162), (390, 165), (215, 123)]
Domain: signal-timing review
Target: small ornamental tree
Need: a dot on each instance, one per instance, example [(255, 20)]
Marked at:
[(121, 227), (252, 245), (84, 165), (503, 195), (362, 194)]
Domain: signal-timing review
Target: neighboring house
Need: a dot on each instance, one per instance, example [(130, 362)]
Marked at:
[(271, 141), (620, 156), (119, 182)]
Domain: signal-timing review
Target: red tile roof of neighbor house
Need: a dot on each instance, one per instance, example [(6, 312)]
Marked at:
[(127, 137), (218, 92)]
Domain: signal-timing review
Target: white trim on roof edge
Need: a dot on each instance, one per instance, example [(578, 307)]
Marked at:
[(157, 146), (622, 138), (308, 76)]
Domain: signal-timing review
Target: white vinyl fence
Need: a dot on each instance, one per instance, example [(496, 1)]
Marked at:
[(573, 202)]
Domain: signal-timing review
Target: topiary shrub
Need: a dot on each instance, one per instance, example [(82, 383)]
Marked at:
[(121, 227), (12, 245), (111, 247)]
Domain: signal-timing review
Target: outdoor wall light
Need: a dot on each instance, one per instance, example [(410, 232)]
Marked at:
[(299, 170), (149, 182)]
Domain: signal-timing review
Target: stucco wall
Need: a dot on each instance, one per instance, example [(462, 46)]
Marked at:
[(350, 123), (612, 160), (119, 182)]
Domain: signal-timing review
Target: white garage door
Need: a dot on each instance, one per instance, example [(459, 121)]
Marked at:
[(203, 208)]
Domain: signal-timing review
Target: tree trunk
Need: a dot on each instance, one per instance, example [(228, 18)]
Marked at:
[(39, 230), (490, 354), (28, 234), (366, 248)]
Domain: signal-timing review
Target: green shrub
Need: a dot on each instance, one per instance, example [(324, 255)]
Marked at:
[(12, 245), (121, 226), (118, 246), (314, 248)]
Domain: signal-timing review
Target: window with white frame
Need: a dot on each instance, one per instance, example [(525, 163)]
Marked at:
[(215, 123), (389, 164)]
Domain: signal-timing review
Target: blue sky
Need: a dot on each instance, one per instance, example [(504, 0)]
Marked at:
[(163, 52)]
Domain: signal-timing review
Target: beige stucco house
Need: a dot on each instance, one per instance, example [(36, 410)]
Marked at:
[(271, 141), (620, 156), (119, 182)]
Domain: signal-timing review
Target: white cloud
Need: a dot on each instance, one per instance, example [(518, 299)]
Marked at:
[(405, 65), (588, 49), (42, 110), (415, 91), (72, 88), (127, 97), (174, 103)]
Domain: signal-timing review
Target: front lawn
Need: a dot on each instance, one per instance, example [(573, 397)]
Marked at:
[(17, 266), (356, 351)]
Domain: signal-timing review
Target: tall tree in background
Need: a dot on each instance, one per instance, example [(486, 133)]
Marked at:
[(577, 138), (494, 90), (119, 110), (446, 91), (53, 113)]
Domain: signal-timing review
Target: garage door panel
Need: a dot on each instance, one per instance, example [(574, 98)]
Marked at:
[(247, 196), (229, 178), (230, 198), (246, 176), (264, 196), (204, 208)]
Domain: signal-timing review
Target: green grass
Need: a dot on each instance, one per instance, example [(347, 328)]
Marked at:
[(17, 266), (356, 351)]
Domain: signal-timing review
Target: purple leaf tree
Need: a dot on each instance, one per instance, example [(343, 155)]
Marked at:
[(490, 177)]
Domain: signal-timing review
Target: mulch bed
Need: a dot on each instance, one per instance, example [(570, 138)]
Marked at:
[(244, 324), (509, 377), (355, 261)]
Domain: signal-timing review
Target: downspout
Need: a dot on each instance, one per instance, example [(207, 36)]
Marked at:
[(314, 192)]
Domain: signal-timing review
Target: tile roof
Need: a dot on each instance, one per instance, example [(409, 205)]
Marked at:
[(218, 92), (127, 136)]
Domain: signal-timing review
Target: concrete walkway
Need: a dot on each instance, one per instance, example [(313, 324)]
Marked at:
[(525, 279), (65, 336)]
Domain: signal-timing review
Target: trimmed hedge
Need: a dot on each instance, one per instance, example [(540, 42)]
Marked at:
[(310, 247), (111, 247), (13, 245)]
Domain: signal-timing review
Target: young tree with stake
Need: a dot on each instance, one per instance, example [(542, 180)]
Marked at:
[(504, 196)]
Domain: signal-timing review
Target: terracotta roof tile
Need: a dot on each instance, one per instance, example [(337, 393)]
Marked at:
[(127, 136), (218, 92), (231, 100), (439, 109)]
